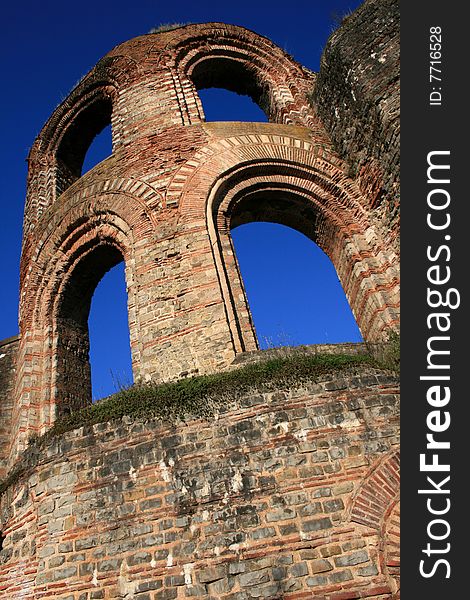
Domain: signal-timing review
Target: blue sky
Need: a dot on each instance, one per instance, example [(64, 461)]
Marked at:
[(47, 47)]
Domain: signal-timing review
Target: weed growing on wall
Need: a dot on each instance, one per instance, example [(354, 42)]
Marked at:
[(198, 397)]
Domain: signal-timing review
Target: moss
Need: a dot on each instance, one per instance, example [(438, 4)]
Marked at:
[(195, 397), (203, 395)]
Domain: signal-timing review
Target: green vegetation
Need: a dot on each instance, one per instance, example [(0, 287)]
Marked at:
[(387, 355), (204, 396)]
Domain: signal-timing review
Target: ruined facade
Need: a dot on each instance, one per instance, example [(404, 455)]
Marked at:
[(307, 502)]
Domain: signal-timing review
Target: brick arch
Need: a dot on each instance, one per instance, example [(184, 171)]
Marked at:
[(299, 205), (91, 106), (237, 59), (378, 493), (71, 244), (99, 248), (247, 169), (79, 241), (91, 216), (56, 158), (88, 91), (376, 505), (104, 82), (125, 197), (58, 334), (264, 143)]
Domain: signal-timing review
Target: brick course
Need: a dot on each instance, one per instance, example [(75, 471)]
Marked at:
[(165, 202), (260, 503), (289, 494)]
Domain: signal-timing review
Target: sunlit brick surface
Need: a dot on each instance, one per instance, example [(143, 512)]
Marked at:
[(165, 201)]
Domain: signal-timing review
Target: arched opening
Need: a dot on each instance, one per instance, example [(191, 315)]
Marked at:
[(110, 353), (223, 105), (293, 291), (73, 378), (91, 120), (231, 75), (100, 148), (265, 204), (300, 197)]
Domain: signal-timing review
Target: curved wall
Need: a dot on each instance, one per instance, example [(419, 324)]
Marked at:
[(160, 204), (164, 203), (284, 495), (287, 494), (357, 97)]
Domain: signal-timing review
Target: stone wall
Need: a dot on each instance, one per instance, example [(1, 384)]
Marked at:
[(357, 96), (289, 494), (8, 358), (165, 203)]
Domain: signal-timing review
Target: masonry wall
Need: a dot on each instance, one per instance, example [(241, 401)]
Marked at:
[(357, 96), (286, 494), (8, 358), (163, 204), (166, 200)]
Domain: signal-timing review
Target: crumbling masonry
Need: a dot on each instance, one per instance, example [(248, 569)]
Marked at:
[(292, 495)]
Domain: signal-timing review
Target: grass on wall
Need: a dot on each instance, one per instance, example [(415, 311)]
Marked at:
[(204, 396)]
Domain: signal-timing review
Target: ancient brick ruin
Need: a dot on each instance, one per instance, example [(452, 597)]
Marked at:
[(293, 494)]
